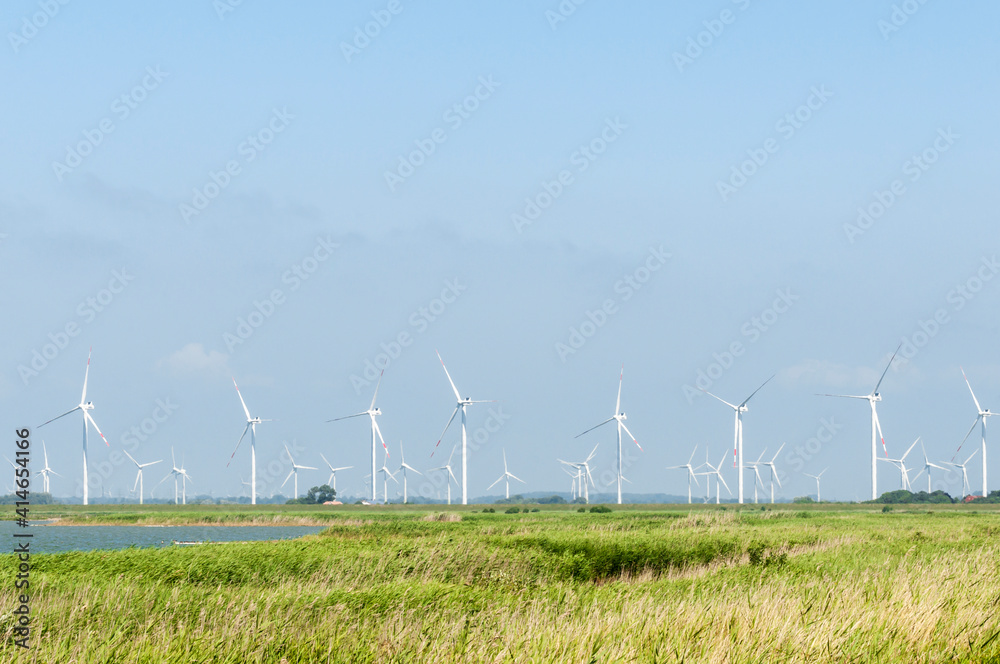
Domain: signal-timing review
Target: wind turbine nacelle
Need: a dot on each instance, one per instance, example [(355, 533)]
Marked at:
[(876, 397), (622, 416), (89, 405), (377, 411)]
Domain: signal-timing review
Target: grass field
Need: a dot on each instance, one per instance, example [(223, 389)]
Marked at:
[(642, 584)]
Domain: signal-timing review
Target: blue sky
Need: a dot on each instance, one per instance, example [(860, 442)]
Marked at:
[(119, 116)]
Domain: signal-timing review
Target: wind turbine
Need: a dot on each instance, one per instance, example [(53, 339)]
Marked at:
[(816, 477), (583, 476), (386, 474), (873, 398), (690, 472), (175, 472), (85, 407), (774, 473), (574, 477), (372, 413), (449, 473), (138, 478), (461, 405), (620, 418), (966, 487), (755, 467), (506, 477), (901, 464), (403, 467), (251, 426), (927, 467), (333, 472), (738, 432), (980, 418), (46, 471), (717, 471), (295, 471)]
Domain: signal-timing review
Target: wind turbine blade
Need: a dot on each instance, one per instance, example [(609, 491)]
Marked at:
[(126, 454), (887, 367), (453, 388), (287, 478), (878, 426), (971, 429), (618, 403), (692, 455), (723, 480), (776, 478), (821, 473), (452, 475), (379, 432), (622, 424), (441, 437), (90, 419), (722, 400), (594, 427), (324, 459), (56, 418), (910, 449), (453, 448), (978, 408), (347, 417), (758, 389), (775, 457), (289, 452), (245, 409), (694, 476), (592, 453), (372, 407), (137, 476), (86, 374), (500, 479), (515, 477), (307, 468), (245, 429), (843, 396)]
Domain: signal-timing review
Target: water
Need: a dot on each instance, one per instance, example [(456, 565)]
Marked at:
[(52, 539)]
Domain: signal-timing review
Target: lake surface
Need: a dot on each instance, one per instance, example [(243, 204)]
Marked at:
[(52, 539)]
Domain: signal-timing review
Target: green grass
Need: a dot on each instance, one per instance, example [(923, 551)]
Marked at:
[(636, 585)]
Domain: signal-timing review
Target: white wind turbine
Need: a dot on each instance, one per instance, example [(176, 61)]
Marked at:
[(966, 487), (176, 473), (574, 478), (506, 477), (900, 463), (928, 464), (717, 471), (403, 467), (449, 473), (138, 477), (372, 413), (85, 407), (873, 398), (583, 476), (386, 474), (461, 405), (980, 418), (774, 473), (690, 472), (46, 471), (295, 471), (757, 480), (816, 477), (738, 432), (333, 472), (251, 426), (620, 418)]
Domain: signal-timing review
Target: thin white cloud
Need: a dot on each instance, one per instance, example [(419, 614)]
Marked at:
[(193, 358)]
